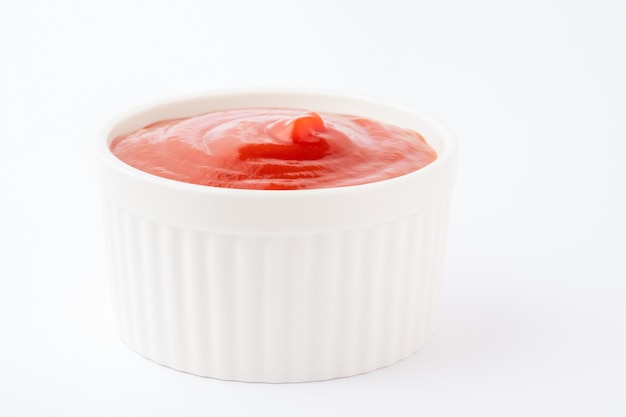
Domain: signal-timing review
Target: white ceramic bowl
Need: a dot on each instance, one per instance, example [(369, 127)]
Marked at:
[(277, 285)]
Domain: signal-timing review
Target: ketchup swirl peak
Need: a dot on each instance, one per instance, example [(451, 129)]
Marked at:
[(274, 148), (303, 137), (306, 128)]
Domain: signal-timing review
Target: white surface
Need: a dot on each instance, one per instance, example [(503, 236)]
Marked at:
[(533, 311)]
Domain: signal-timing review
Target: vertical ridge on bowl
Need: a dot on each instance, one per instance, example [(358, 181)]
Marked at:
[(184, 301)]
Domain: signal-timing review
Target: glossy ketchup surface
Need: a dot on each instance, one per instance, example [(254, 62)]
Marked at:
[(274, 148)]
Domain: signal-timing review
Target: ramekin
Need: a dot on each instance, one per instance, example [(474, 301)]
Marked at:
[(277, 285)]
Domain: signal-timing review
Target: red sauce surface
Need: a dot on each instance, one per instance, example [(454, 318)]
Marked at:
[(274, 148)]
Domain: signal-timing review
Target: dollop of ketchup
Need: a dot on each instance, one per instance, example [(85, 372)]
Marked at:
[(274, 148), (301, 139)]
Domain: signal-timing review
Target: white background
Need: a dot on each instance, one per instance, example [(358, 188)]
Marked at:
[(534, 316)]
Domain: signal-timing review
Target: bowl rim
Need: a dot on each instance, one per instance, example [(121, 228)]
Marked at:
[(441, 172)]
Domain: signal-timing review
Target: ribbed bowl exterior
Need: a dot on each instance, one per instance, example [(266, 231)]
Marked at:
[(300, 308)]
